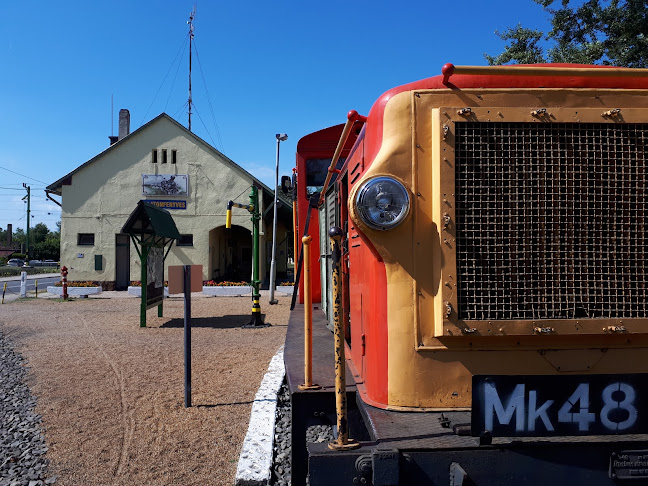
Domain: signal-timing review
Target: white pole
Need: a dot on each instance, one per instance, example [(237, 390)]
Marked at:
[(23, 284), (274, 231)]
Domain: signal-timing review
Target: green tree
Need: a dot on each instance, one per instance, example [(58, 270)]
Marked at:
[(45, 244), (39, 233), (47, 250), (610, 32), (19, 237)]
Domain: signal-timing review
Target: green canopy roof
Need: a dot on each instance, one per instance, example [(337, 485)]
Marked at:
[(147, 219)]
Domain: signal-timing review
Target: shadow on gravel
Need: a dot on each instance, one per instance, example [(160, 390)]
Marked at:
[(223, 404), (223, 322)]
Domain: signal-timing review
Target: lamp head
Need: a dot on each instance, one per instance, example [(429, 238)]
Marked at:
[(281, 137)]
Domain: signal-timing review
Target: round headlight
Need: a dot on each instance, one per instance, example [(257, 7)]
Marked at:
[(382, 203)]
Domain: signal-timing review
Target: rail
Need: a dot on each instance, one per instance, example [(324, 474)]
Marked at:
[(308, 321), (450, 69), (352, 117), (343, 442)]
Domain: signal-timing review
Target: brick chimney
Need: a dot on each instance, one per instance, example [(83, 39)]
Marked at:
[(124, 123), (9, 235)]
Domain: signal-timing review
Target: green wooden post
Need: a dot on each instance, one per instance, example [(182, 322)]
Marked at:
[(256, 320), (256, 217), (144, 260)]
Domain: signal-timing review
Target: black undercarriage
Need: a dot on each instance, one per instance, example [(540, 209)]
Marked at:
[(433, 448)]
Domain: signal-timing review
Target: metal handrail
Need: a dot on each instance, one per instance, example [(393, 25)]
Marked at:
[(601, 72), (352, 117)]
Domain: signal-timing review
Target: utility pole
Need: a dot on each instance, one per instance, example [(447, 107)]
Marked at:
[(191, 35), (28, 197)]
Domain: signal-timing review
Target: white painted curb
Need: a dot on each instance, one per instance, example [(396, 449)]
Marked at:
[(285, 289), (233, 291), (74, 291), (137, 291), (255, 461)]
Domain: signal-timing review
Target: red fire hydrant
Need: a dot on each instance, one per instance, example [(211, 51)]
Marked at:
[(64, 273)]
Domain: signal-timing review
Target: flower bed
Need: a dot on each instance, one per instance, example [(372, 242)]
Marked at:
[(74, 291), (226, 283), (78, 283), (226, 288), (137, 283)]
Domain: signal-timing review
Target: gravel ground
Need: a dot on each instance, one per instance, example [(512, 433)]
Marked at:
[(281, 466), (22, 445), (111, 393)]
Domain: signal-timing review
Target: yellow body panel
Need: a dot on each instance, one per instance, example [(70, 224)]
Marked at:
[(430, 360)]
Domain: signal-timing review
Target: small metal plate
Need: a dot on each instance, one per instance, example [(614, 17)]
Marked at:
[(629, 465)]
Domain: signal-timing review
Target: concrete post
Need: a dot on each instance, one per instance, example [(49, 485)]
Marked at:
[(23, 285)]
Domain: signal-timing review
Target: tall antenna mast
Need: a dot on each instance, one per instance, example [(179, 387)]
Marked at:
[(191, 35)]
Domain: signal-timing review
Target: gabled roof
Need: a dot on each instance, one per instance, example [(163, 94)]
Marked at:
[(147, 219), (67, 179)]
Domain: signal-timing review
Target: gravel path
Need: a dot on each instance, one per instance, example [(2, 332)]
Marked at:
[(111, 393), (22, 446), (281, 466)]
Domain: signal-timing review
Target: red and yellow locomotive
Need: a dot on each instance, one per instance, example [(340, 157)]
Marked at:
[(494, 279)]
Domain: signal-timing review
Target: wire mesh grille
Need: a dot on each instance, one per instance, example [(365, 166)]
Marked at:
[(551, 220)]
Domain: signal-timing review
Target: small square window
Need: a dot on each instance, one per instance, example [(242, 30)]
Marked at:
[(154, 156), (85, 239), (174, 156), (185, 240), (164, 156)]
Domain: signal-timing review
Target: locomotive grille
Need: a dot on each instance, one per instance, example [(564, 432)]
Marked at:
[(551, 220)]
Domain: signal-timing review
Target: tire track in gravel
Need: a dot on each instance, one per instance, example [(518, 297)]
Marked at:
[(128, 420)]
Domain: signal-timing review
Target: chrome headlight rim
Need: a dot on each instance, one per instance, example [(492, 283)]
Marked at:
[(362, 208)]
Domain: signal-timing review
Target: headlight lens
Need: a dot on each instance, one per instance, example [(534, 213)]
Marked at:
[(382, 203)]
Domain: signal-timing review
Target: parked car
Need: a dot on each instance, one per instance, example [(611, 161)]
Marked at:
[(16, 262)]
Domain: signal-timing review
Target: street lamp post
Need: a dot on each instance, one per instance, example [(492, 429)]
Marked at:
[(280, 138)]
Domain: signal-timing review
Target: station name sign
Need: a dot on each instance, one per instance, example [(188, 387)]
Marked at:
[(160, 203)]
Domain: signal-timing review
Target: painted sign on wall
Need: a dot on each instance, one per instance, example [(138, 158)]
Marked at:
[(165, 184), (160, 203)]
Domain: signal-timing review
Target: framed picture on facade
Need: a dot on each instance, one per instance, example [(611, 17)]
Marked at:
[(165, 184)]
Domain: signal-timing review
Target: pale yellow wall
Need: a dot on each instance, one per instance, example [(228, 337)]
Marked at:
[(104, 193)]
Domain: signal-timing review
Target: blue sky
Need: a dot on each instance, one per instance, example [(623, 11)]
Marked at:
[(269, 67)]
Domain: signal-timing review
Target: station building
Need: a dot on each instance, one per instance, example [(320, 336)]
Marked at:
[(164, 163)]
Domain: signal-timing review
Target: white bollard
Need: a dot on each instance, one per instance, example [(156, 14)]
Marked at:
[(23, 284)]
